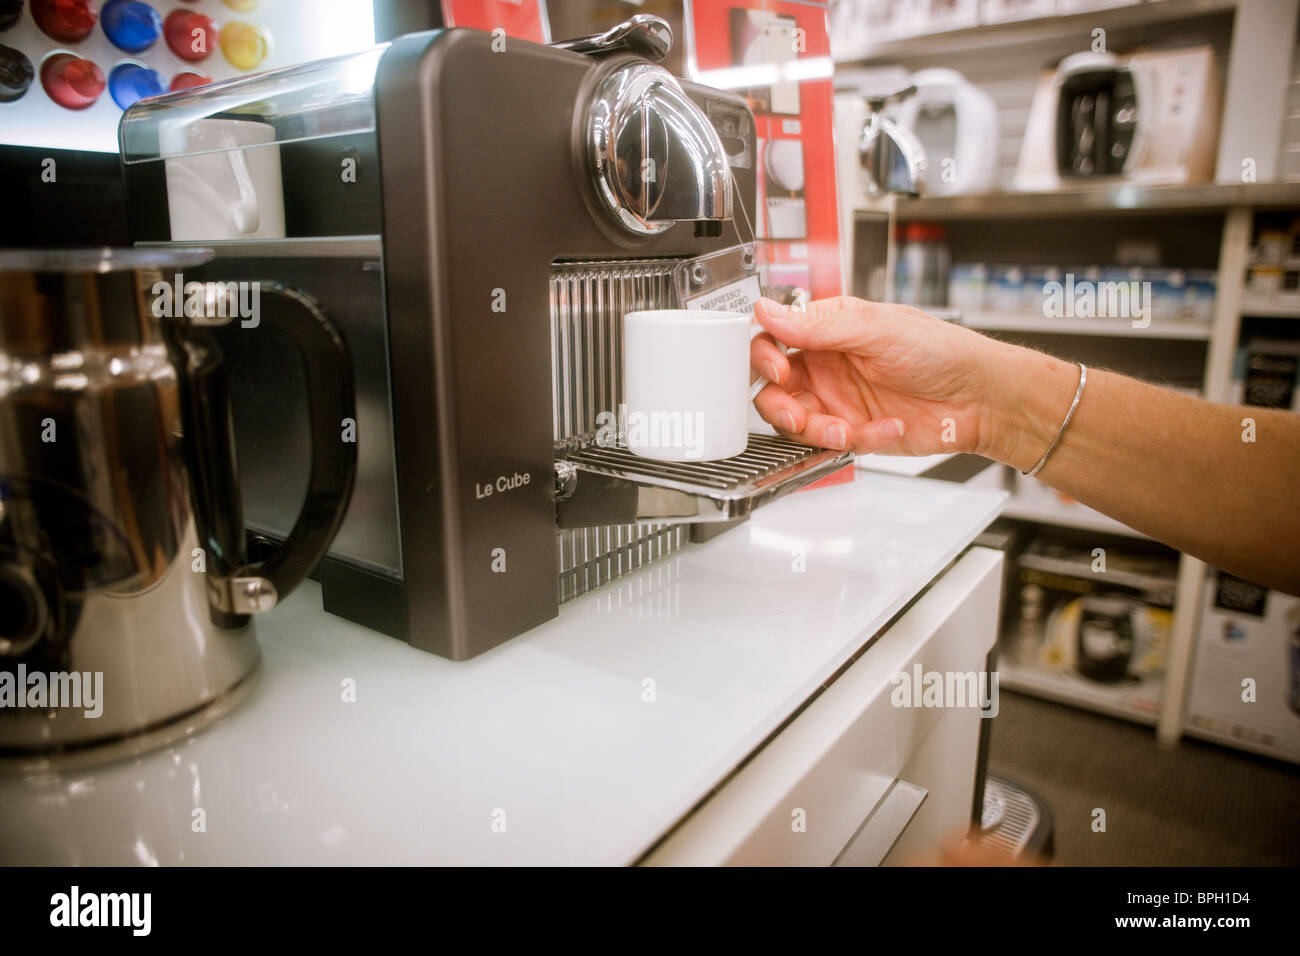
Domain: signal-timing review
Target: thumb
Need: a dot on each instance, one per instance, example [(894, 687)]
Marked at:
[(840, 323)]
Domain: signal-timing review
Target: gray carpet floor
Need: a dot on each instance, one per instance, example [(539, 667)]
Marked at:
[(1195, 804)]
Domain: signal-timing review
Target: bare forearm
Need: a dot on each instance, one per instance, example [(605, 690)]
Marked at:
[(1184, 471)]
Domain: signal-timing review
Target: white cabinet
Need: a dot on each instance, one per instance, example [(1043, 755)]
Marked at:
[(852, 777)]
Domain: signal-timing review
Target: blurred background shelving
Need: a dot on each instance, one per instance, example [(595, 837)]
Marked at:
[(960, 31), (1104, 199), (1215, 228), (1029, 323)]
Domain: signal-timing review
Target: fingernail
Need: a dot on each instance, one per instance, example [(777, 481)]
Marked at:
[(771, 305), (786, 420), (896, 427), (769, 371), (835, 436)]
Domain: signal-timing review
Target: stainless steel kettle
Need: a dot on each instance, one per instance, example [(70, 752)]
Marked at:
[(891, 156), (125, 590)]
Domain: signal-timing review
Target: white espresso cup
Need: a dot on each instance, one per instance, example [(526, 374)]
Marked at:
[(223, 179), (686, 383)]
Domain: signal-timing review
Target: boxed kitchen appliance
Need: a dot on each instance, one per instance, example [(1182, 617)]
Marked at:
[(1097, 619), (1245, 689)]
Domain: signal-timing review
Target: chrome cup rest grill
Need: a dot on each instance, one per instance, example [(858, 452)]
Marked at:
[(693, 492), (603, 484)]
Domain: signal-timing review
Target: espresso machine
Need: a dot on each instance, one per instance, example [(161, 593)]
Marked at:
[(476, 214)]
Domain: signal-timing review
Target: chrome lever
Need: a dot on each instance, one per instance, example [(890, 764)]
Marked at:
[(644, 33)]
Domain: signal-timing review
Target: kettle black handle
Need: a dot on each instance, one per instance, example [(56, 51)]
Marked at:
[(236, 588)]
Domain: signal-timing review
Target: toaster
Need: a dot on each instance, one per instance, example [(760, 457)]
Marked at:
[(474, 215), (1152, 117)]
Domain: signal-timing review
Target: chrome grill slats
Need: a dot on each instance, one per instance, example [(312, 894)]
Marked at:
[(588, 301), (766, 455)]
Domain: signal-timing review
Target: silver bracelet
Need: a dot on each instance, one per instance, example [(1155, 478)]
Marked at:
[(1078, 394)]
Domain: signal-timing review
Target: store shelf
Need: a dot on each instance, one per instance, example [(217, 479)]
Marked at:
[(1111, 198), (1269, 308), (1114, 700), (1119, 328), (1067, 516), (1036, 31)]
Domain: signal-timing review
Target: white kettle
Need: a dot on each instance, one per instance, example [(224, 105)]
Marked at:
[(957, 124)]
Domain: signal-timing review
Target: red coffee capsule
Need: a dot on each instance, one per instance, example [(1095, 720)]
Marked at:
[(68, 21), (191, 36), (187, 81), (71, 81)]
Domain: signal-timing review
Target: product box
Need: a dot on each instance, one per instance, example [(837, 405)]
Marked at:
[(1004, 11), (1067, 7), (935, 16), (1180, 295), (1099, 618), (879, 20), (967, 286), (1198, 296), (1034, 297), (1266, 373), (1245, 688), (1006, 289), (1270, 379)]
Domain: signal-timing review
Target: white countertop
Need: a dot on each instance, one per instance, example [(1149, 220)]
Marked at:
[(910, 465), (552, 728)]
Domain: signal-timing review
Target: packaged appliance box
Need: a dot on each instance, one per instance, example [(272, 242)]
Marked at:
[(1266, 373), (1245, 688), (1102, 619), (1005, 11)]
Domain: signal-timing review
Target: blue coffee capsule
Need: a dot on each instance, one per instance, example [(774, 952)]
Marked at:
[(130, 25), (130, 82)]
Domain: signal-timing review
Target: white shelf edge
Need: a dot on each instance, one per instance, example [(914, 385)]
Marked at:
[(1266, 309), (1106, 197), (995, 321), (1064, 690), (1007, 33), (1087, 519)]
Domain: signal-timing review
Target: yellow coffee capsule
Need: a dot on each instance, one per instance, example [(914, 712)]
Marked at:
[(245, 45), (243, 6)]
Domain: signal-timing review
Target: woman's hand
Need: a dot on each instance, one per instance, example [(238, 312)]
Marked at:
[(876, 377), (1215, 481)]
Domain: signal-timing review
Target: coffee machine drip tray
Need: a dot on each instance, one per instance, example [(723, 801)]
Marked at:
[(599, 485)]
